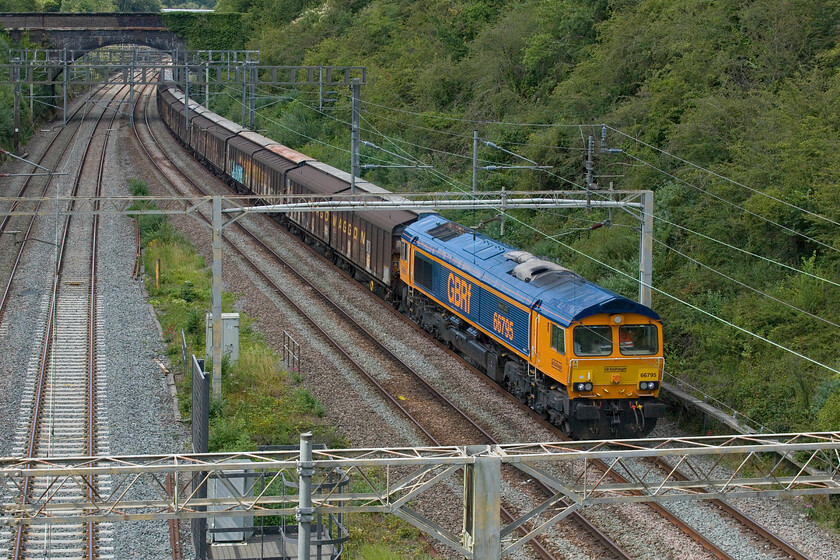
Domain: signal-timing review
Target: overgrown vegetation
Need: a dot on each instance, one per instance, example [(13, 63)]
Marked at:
[(743, 94), (29, 120), (261, 404), (208, 30)]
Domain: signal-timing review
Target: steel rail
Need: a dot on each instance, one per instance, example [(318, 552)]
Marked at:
[(7, 217), (541, 549), (661, 510), (742, 517), (174, 527), (91, 374), (32, 437), (613, 548), (21, 193)]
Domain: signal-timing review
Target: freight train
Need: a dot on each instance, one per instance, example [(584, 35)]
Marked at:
[(588, 360)]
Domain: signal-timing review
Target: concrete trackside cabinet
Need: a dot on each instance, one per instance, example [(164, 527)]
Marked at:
[(230, 336)]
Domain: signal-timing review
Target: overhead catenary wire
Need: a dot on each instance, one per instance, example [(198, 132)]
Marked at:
[(729, 202), (454, 134), (374, 130), (311, 138), (412, 159), (605, 194), (744, 251), (439, 175), (474, 121), (724, 178), (745, 285), (679, 300), (568, 247)]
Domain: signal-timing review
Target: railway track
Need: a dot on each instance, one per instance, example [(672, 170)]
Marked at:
[(420, 395), (37, 186), (64, 412), (406, 389)]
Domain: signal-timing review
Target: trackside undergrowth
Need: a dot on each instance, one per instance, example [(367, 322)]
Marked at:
[(261, 403)]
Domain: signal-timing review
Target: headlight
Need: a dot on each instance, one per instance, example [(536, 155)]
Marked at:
[(583, 387), (648, 385)]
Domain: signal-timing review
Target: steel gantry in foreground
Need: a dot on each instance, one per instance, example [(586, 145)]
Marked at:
[(390, 480)]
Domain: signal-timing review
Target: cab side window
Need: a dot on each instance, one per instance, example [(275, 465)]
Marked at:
[(558, 339), (423, 271)]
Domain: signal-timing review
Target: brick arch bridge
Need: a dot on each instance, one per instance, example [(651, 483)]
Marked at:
[(86, 32)]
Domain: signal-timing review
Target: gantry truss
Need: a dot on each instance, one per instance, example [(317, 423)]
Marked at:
[(142, 66), (390, 480), (638, 203), (359, 202)]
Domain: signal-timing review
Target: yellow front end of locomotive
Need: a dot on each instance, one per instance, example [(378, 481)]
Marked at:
[(603, 356)]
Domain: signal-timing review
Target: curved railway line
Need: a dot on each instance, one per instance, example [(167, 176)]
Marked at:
[(64, 413), (65, 417), (435, 405), (468, 432)]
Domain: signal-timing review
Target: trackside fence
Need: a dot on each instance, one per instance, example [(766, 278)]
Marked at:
[(291, 354), (200, 437)]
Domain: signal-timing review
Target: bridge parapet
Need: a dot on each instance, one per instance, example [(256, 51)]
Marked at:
[(49, 21), (86, 32)]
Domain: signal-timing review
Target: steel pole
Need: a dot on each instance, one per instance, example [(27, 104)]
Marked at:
[(252, 97), (320, 88), (646, 249), (186, 95), (304, 512), (244, 95), (475, 161), (66, 83), (217, 296), (16, 78), (131, 89), (355, 134), (483, 496)]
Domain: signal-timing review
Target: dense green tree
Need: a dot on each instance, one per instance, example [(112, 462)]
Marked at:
[(138, 6), (728, 109), (745, 89), (87, 6), (18, 6)]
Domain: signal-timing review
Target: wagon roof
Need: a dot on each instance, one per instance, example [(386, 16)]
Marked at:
[(326, 179), (288, 153)]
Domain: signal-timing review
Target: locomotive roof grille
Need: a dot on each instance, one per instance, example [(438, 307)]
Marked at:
[(448, 231)]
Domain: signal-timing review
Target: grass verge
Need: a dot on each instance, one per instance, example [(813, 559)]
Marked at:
[(261, 403)]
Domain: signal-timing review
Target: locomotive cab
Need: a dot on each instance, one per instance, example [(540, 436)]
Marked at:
[(610, 366), (609, 357)]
